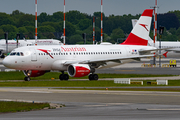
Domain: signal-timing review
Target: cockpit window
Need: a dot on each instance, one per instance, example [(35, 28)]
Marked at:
[(21, 53), (17, 54), (12, 54)]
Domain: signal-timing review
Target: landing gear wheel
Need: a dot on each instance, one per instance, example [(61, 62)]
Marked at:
[(64, 77), (90, 77), (61, 77), (93, 77), (27, 78)]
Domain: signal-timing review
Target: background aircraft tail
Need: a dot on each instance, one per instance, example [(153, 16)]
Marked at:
[(140, 33)]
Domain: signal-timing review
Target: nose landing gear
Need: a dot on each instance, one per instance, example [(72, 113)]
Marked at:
[(27, 78)]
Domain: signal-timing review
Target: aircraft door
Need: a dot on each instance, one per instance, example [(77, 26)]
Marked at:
[(33, 55)]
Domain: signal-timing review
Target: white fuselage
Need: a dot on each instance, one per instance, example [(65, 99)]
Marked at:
[(12, 44), (36, 57)]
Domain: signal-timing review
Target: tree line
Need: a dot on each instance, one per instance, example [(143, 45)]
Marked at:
[(115, 28)]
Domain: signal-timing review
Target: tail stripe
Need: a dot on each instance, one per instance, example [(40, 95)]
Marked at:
[(140, 33)]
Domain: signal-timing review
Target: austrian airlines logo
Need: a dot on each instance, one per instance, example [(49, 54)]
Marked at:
[(145, 26), (46, 51)]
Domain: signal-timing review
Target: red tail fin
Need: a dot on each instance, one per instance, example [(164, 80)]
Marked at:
[(140, 33)]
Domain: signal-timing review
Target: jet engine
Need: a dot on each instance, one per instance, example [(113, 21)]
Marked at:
[(78, 70), (34, 73)]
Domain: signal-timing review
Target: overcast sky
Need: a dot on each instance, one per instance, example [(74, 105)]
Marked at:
[(116, 7)]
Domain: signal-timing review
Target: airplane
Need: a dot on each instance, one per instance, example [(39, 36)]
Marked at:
[(83, 60), (12, 44), (174, 46)]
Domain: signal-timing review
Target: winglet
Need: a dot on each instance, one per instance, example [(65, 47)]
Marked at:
[(140, 33)]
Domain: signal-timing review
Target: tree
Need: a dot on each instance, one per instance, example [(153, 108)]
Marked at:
[(58, 27), (6, 19), (169, 20), (45, 29), (22, 30), (9, 28), (70, 29), (50, 35), (30, 28), (75, 38), (43, 17), (117, 33), (1, 34), (74, 17), (84, 23), (26, 20), (57, 17)]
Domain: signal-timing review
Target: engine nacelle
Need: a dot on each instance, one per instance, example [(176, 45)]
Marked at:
[(78, 70), (34, 73)]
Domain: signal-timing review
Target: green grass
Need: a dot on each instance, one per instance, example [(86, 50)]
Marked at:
[(52, 83), (129, 89), (20, 76), (20, 106)]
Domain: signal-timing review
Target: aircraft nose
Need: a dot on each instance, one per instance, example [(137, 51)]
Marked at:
[(6, 62)]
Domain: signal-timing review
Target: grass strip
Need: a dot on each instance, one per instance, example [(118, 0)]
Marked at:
[(102, 83), (16, 75), (10, 106), (129, 89)]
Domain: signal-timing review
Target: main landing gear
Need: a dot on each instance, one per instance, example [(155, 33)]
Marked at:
[(63, 76), (27, 78), (93, 77)]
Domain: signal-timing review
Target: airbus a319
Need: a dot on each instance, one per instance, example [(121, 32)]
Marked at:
[(83, 60)]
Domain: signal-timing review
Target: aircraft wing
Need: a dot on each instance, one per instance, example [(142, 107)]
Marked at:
[(143, 52), (118, 60), (177, 50)]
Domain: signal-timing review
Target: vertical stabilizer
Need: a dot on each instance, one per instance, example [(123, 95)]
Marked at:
[(140, 33)]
